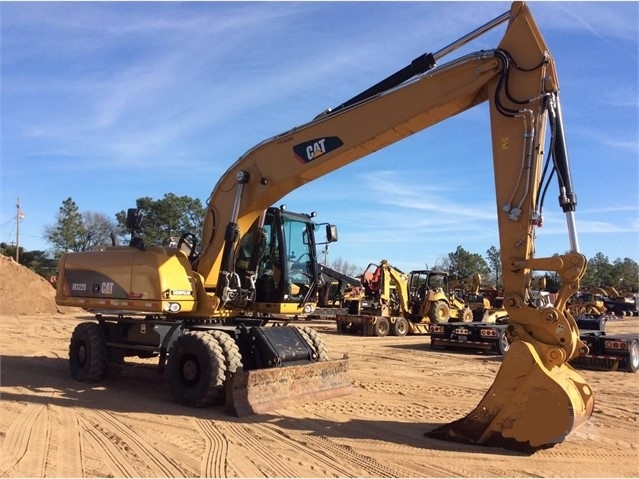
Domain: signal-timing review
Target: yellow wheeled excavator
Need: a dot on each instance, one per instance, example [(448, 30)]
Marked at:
[(199, 308)]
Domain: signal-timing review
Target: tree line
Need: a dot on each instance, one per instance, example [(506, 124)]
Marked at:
[(170, 216)]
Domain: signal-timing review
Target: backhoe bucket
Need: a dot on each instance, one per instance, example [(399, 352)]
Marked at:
[(262, 390), (528, 407)]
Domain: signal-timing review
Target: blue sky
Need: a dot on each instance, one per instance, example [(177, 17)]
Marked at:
[(108, 102)]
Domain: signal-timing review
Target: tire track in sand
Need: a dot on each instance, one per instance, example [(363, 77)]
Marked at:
[(266, 462), (109, 452), (215, 455), (324, 451), (126, 450), (24, 451), (70, 450)]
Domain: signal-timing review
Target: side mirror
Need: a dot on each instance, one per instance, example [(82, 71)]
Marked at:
[(331, 233)]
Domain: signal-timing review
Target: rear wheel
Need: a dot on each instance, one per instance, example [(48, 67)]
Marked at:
[(503, 344), (196, 369), (400, 327), (88, 353), (439, 312), (382, 326), (633, 356)]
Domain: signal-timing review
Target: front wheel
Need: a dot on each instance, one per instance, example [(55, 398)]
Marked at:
[(439, 312), (88, 353), (196, 370), (315, 341), (231, 351)]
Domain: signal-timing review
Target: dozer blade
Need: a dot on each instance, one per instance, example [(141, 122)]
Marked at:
[(528, 407), (262, 390)]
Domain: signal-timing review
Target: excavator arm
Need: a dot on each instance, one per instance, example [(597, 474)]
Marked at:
[(417, 97), (391, 276), (537, 399), (469, 284)]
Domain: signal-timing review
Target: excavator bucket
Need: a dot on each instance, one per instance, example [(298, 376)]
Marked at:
[(528, 407), (261, 390)]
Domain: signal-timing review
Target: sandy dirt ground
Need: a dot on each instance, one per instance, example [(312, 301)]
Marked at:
[(129, 426)]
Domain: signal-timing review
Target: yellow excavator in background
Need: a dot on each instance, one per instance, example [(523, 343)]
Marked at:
[(197, 309)]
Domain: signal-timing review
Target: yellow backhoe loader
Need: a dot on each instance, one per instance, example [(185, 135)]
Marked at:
[(197, 309), (398, 303)]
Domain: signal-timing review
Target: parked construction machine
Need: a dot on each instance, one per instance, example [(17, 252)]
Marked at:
[(398, 303), (620, 303), (334, 291), (483, 300), (196, 310), (586, 303)]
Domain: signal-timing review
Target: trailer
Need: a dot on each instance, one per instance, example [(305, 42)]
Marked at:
[(376, 325), (477, 336), (610, 352)]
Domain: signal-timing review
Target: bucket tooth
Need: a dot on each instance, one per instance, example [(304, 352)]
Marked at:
[(528, 407), (262, 390)]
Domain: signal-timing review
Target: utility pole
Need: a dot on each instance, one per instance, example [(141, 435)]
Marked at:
[(19, 216), (325, 251)]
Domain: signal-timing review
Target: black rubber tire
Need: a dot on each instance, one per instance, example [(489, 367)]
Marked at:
[(502, 345), (196, 370), (88, 353), (467, 315), (232, 356), (399, 327), (314, 340), (382, 327), (439, 312), (633, 356)]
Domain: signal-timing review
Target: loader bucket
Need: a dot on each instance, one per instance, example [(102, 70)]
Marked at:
[(261, 390), (528, 407)]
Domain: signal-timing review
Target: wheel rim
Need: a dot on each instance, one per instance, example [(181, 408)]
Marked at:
[(382, 327), (504, 344), (402, 327), (634, 355), (81, 354), (190, 370)]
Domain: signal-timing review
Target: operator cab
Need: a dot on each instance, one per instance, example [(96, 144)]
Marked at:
[(287, 267)]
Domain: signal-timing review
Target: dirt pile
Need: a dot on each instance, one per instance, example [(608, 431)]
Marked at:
[(23, 292)]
